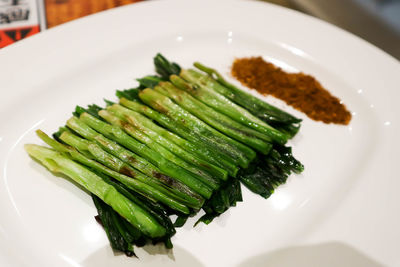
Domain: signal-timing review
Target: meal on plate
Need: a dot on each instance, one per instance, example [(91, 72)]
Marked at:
[(180, 144)]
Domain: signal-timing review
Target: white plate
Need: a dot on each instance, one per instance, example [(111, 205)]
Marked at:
[(344, 209)]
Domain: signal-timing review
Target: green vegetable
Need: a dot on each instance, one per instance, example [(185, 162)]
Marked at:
[(270, 171), (56, 162), (274, 116), (165, 68), (163, 137), (219, 121), (117, 134), (205, 178), (240, 153), (260, 108), (201, 91), (157, 210), (180, 142), (186, 138), (117, 232), (221, 201), (117, 169), (149, 81), (192, 199), (180, 221)]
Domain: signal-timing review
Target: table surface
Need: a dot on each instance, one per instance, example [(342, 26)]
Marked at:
[(61, 11)]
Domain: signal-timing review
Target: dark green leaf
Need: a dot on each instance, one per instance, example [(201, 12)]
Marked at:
[(164, 67)]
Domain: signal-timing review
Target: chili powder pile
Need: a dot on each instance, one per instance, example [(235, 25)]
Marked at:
[(299, 90)]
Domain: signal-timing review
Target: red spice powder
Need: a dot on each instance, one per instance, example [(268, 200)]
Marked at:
[(299, 90)]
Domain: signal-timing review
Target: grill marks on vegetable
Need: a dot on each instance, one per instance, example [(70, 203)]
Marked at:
[(131, 159), (127, 171), (165, 178)]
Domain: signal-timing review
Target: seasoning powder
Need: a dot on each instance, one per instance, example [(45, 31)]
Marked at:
[(299, 90)]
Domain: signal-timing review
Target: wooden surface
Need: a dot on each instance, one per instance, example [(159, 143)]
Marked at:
[(60, 11)]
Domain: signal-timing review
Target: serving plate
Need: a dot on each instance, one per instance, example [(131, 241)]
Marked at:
[(342, 211)]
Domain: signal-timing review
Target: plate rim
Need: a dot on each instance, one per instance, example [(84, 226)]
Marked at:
[(39, 39)]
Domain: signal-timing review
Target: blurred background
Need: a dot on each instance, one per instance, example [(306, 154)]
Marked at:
[(377, 21)]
